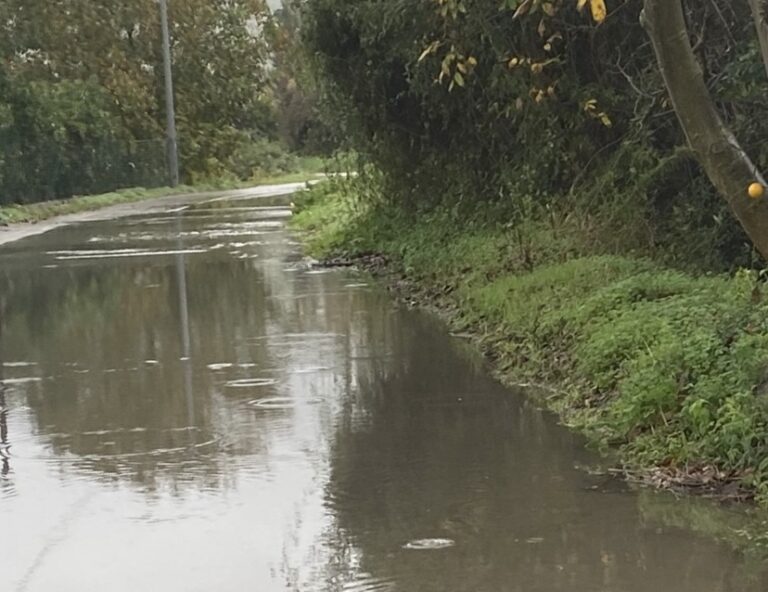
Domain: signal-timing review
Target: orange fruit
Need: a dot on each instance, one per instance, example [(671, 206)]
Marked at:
[(756, 190)]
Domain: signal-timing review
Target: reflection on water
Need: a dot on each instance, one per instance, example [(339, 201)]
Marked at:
[(186, 343), (208, 414), (5, 464)]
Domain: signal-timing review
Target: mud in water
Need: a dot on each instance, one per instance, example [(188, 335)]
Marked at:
[(186, 406)]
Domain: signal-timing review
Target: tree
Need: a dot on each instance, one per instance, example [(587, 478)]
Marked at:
[(541, 106), (299, 124), (728, 166), (112, 52)]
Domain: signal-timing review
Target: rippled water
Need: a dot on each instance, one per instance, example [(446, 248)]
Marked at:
[(189, 407)]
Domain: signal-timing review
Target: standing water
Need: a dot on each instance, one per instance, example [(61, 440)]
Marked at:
[(189, 407)]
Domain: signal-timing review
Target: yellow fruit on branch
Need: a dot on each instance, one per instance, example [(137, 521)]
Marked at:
[(756, 190)]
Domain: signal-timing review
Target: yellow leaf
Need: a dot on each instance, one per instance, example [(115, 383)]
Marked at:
[(599, 12), (548, 9), (580, 6)]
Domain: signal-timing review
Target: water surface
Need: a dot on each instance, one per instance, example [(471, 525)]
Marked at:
[(190, 407)]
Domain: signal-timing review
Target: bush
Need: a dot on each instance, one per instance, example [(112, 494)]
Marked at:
[(60, 139), (262, 157), (461, 104)]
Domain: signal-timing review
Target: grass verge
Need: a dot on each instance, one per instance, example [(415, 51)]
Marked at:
[(667, 370)]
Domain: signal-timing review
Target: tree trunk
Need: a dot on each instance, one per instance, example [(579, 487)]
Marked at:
[(760, 14), (719, 153)]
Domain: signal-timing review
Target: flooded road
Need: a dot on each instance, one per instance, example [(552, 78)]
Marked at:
[(189, 407)]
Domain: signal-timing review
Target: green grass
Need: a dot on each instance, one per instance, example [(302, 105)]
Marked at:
[(37, 212), (666, 369)]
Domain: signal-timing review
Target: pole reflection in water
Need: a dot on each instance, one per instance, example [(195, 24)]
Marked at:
[(4, 444), (186, 342), (5, 466)]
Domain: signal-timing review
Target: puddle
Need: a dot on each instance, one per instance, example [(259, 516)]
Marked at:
[(357, 427)]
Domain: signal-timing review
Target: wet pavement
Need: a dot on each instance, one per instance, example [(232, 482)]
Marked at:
[(190, 406)]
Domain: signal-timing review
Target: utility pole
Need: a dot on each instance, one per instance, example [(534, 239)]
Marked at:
[(170, 111)]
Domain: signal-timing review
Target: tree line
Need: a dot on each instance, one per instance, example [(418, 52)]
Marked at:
[(81, 94)]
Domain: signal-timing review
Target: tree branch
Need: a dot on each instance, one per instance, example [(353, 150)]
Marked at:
[(716, 148)]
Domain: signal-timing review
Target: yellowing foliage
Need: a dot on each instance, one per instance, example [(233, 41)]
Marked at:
[(457, 68), (596, 7), (599, 12)]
